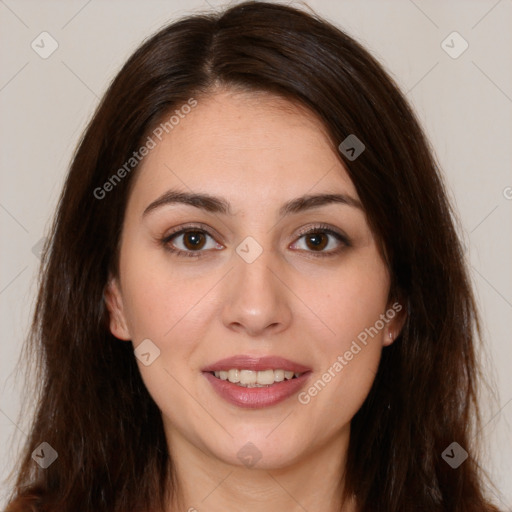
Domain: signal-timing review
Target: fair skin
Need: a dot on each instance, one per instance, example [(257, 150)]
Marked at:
[(290, 301)]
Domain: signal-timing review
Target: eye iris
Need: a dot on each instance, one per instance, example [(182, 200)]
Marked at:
[(318, 243), (196, 238)]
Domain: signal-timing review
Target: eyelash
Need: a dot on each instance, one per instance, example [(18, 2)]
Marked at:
[(201, 228)]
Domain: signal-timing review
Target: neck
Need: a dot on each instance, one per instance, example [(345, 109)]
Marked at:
[(313, 482)]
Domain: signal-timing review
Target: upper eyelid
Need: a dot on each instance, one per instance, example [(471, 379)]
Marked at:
[(194, 227)]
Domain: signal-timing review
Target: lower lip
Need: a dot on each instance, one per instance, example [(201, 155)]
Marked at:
[(254, 398)]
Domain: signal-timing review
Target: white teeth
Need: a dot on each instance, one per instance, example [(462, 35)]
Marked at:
[(251, 378), (278, 375), (266, 377), (248, 377), (233, 375)]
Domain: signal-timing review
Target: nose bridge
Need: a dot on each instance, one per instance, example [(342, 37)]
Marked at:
[(255, 267), (256, 298)]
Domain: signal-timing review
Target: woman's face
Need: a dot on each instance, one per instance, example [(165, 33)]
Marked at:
[(246, 282)]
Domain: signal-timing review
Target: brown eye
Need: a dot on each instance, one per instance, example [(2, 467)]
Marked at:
[(194, 240), (321, 241), (317, 241), (190, 242)]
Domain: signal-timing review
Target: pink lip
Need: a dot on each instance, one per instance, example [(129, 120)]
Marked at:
[(254, 398), (246, 362)]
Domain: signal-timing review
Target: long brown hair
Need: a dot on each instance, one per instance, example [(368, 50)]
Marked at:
[(92, 405)]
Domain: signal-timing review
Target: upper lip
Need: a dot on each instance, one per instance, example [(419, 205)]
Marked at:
[(255, 363)]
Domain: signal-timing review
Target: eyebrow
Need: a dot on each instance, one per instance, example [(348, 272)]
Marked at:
[(214, 204)]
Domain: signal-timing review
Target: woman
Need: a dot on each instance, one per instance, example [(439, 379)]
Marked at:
[(253, 296)]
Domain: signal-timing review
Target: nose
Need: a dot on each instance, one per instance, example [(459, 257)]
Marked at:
[(257, 300)]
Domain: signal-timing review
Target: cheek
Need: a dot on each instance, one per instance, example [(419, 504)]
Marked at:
[(339, 391), (350, 304), (349, 363), (159, 298), (347, 301), (168, 307)]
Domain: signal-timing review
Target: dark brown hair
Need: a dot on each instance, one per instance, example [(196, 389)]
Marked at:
[(92, 405)]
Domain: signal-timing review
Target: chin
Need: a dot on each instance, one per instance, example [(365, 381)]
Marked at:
[(262, 449)]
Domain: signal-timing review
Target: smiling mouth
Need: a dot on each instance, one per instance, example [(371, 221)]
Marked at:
[(255, 379)]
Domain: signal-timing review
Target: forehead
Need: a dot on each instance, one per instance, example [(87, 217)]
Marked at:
[(252, 146)]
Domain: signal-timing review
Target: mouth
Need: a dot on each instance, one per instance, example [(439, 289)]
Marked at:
[(256, 382), (255, 379)]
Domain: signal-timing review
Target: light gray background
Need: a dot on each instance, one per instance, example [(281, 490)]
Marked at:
[(465, 105)]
